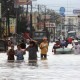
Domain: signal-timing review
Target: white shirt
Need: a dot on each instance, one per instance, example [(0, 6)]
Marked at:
[(77, 49)]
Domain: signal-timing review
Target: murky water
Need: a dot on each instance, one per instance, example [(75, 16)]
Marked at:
[(56, 67)]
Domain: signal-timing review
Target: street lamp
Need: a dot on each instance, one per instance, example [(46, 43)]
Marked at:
[(8, 22)]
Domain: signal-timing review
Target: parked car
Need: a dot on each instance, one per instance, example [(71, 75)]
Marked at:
[(38, 36)]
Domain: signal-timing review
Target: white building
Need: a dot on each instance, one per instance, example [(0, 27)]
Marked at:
[(71, 24)]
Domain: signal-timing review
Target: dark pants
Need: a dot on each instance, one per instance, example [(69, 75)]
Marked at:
[(43, 56), (32, 62)]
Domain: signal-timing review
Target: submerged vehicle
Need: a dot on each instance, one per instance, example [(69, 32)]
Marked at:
[(72, 34), (38, 35)]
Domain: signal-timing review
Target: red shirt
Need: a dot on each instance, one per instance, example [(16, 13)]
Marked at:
[(70, 40)]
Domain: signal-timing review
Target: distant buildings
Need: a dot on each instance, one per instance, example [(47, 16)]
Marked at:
[(71, 23)]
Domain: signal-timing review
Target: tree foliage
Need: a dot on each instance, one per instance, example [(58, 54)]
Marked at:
[(54, 16)]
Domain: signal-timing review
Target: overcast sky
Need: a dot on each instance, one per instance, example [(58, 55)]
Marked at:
[(56, 4)]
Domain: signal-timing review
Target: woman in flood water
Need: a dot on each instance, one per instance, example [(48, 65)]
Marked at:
[(11, 54), (19, 53)]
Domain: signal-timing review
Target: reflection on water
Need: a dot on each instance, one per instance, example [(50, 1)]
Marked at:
[(44, 64)]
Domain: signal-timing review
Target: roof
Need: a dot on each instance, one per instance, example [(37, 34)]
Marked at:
[(71, 31)]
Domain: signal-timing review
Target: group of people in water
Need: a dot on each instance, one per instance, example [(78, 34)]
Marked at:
[(61, 43), (74, 43), (33, 47), (32, 50)]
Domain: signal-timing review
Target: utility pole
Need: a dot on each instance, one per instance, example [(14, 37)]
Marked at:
[(27, 9), (45, 28), (38, 17), (0, 19), (45, 19)]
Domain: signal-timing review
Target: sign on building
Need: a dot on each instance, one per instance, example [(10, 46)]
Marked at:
[(62, 11), (76, 11), (47, 16), (50, 24), (12, 25)]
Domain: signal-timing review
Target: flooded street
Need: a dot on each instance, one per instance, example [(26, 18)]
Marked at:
[(56, 67), (27, 24)]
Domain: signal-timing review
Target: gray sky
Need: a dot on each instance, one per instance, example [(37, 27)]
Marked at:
[(56, 4)]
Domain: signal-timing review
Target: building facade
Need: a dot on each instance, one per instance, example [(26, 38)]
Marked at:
[(71, 24)]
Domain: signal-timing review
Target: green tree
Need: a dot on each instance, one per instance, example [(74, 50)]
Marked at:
[(8, 4), (55, 17)]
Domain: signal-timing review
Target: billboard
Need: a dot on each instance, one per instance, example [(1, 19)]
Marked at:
[(23, 2), (12, 25)]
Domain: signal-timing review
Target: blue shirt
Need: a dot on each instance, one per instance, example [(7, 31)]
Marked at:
[(19, 55)]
